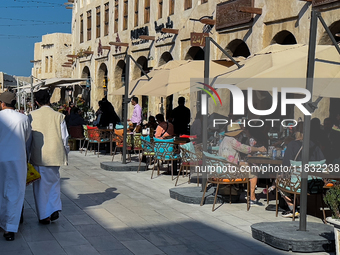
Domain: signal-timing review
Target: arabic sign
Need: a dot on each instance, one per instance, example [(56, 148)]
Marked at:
[(322, 2), (227, 14), (198, 39), (168, 24)]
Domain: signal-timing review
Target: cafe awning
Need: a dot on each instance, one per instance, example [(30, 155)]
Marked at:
[(286, 66), (171, 78)]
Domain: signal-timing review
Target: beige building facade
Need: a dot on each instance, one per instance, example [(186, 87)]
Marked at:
[(97, 23)]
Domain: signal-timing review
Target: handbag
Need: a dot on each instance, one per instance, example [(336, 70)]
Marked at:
[(32, 174)]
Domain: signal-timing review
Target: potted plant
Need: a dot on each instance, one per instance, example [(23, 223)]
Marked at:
[(332, 199)]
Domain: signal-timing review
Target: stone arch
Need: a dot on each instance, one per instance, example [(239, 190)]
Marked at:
[(237, 48), (165, 58), (284, 37), (195, 53), (119, 74), (142, 61), (335, 29), (102, 80), (119, 78), (86, 93)]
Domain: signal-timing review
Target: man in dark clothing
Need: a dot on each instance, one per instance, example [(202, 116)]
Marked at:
[(75, 119), (109, 114), (181, 117), (330, 143)]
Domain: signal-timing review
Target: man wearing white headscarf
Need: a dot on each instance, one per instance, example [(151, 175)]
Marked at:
[(15, 130)]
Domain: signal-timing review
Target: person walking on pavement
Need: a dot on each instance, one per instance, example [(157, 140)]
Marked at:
[(181, 117), (15, 130), (49, 151)]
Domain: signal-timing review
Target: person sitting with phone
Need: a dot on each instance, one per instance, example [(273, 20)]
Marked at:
[(164, 128)]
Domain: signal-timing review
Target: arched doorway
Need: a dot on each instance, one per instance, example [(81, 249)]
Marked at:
[(165, 58), (237, 48), (195, 53), (335, 29), (284, 37), (102, 80), (143, 63), (86, 92), (119, 76)]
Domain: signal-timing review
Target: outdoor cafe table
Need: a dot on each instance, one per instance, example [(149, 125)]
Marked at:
[(263, 160)]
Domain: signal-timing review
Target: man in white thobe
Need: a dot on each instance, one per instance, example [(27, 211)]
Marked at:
[(15, 130), (48, 152)]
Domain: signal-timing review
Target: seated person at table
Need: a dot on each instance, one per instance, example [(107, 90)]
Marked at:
[(164, 128), (230, 148), (75, 118), (294, 152), (152, 123)]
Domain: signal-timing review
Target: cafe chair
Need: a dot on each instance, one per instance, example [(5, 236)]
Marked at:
[(165, 151), (119, 140), (189, 160), (290, 183), (147, 151), (137, 145), (97, 136), (219, 175), (77, 133)]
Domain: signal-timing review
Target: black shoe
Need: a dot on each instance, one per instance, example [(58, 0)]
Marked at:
[(45, 221), (54, 216), (9, 236)]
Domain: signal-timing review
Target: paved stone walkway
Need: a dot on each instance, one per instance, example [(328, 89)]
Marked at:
[(128, 213)]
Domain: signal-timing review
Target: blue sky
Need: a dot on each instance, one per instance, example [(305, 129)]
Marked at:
[(17, 48)]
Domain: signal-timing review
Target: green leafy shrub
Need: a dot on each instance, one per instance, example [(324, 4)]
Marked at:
[(332, 199)]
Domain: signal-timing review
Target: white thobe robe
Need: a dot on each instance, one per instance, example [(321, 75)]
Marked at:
[(15, 130), (47, 189)]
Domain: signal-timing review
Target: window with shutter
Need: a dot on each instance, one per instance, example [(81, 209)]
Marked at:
[(125, 16), (187, 4), (98, 22), (136, 12), (147, 11), (160, 9), (116, 17), (106, 19), (81, 28), (89, 25), (171, 7)]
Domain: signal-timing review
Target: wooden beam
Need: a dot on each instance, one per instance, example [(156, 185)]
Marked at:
[(106, 47), (66, 66), (250, 10), (70, 60), (72, 56), (170, 31), (307, 0), (87, 52), (119, 44), (147, 37), (208, 21), (69, 7)]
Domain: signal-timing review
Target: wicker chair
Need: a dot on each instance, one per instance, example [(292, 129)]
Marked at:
[(97, 136), (227, 177), (189, 160), (137, 145), (119, 140), (165, 152), (148, 150), (291, 183)]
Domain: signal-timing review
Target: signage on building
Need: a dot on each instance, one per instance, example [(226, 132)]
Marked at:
[(322, 2), (198, 39), (134, 35), (227, 14), (168, 24), (162, 38)]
